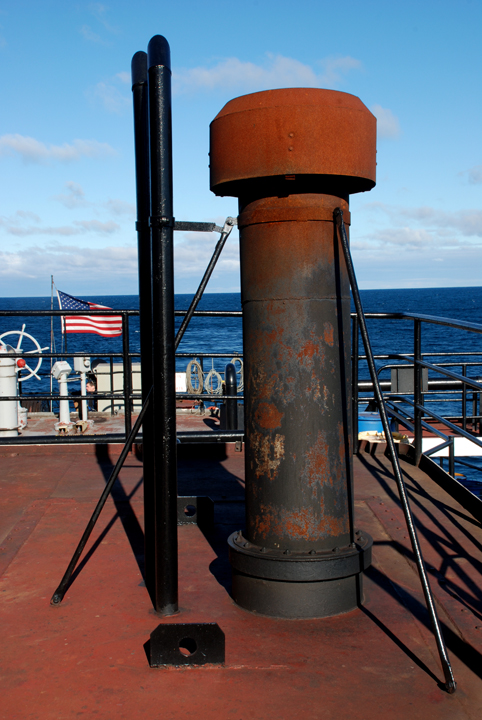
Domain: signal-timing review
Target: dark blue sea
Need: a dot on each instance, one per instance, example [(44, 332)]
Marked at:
[(224, 335)]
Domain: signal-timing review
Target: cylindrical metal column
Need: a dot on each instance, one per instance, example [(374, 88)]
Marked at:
[(292, 157), (141, 145), (8, 388), (163, 351)]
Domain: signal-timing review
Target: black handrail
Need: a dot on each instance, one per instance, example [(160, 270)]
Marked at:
[(359, 386)]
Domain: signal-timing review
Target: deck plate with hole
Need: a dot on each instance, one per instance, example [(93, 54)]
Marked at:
[(195, 510), (187, 644)]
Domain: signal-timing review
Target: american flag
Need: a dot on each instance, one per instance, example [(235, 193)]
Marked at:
[(107, 325)]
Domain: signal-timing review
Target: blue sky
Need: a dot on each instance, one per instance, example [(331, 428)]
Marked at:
[(67, 190)]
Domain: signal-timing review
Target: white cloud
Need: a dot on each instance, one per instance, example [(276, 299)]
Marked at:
[(406, 236), (27, 215), (277, 71), (120, 207), (75, 197), (16, 225), (475, 175), (111, 98), (335, 68), (388, 125), (192, 252), (124, 77), (88, 34), (69, 262), (96, 226), (442, 223), (115, 267), (35, 151), (99, 12)]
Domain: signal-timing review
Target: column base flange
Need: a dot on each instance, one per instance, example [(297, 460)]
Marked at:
[(314, 584)]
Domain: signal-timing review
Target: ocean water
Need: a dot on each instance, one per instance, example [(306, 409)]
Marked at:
[(224, 335)]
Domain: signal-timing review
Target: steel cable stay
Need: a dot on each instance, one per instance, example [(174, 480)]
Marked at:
[(450, 684)]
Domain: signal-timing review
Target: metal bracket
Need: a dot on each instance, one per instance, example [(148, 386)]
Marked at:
[(187, 226), (187, 644), (192, 510), (159, 221)]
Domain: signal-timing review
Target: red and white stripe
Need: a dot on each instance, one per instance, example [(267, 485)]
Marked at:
[(107, 325)]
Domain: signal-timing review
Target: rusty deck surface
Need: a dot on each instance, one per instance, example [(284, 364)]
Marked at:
[(88, 657)]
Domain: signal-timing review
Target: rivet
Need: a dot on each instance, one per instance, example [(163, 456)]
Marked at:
[(312, 552), (290, 148), (291, 134), (287, 552)]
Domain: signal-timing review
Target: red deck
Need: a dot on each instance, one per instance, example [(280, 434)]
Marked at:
[(87, 657)]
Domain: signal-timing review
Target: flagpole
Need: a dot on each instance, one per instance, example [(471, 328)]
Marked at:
[(51, 336), (62, 325)]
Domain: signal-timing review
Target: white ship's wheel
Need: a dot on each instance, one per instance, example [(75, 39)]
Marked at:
[(22, 335)]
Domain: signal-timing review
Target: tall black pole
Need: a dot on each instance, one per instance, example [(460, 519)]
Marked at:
[(141, 146), (163, 351)]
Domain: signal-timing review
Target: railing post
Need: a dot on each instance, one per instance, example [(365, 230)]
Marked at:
[(163, 347), (452, 456), (475, 396), (354, 371), (111, 360), (126, 363), (417, 389), (464, 399)]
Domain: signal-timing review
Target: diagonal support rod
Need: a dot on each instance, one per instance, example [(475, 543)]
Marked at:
[(58, 595), (225, 233), (450, 684)]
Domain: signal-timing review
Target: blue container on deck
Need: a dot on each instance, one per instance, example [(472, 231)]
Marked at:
[(371, 422)]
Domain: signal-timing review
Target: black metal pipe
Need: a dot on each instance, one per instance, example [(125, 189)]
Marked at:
[(58, 595), (452, 457), (464, 399), (230, 222), (127, 375), (354, 370), (417, 384), (163, 350), (141, 145), (111, 375), (231, 392), (450, 683)]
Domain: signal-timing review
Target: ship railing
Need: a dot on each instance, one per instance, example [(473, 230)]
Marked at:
[(117, 398), (409, 407), (457, 385)]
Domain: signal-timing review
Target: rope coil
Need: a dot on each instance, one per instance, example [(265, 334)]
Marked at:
[(239, 372), (194, 378)]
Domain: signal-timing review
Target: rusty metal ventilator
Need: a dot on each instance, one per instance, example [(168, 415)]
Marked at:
[(450, 684), (58, 595)]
